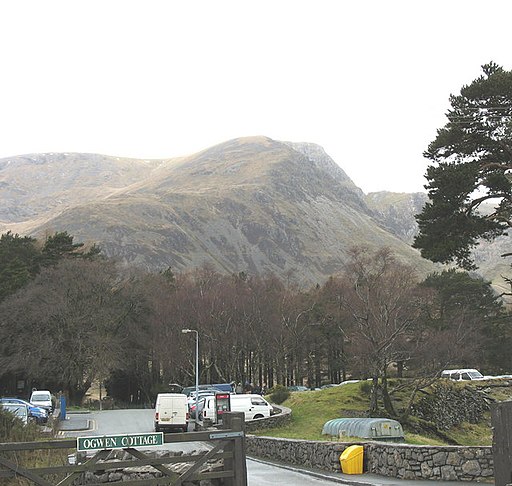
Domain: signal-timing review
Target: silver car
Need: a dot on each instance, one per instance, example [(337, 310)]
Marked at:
[(20, 410)]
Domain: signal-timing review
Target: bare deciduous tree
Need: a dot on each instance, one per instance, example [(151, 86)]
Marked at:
[(382, 301)]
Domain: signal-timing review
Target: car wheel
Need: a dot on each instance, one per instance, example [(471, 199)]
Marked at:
[(257, 416)]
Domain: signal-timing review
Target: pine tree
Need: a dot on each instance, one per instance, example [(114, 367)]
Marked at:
[(471, 165)]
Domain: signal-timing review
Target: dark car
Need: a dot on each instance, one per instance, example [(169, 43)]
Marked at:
[(40, 415)]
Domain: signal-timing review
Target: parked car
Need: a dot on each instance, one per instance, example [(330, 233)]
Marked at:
[(43, 399), (192, 408), (462, 374), (40, 415), (223, 387), (201, 394), (17, 409), (346, 382), (295, 388)]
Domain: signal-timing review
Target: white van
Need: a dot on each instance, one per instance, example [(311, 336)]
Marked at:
[(171, 412), (42, 399), (254, 406)]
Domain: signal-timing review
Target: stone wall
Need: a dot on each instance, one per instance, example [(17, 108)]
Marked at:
[(447, 463), (136, 474), (403, 461), (108, 472), (449, 404), (312, 454)]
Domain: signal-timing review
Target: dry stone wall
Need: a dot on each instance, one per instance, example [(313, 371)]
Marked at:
[(403, 461), (108, 472), (447, 463), (449, 404), (312, 454)]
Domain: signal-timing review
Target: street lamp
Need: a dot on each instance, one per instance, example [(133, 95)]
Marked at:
[(186, 331)]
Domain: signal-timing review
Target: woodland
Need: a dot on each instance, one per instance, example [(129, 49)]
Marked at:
[(70, 317)]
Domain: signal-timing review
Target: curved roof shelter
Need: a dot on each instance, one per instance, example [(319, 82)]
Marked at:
[(366, 428)]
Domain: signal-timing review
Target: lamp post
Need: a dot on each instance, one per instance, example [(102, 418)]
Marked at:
[(186, 331)]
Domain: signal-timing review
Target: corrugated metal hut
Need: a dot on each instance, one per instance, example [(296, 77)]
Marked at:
[(366, 428)]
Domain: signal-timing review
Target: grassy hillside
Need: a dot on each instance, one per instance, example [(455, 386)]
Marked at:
[(311, 409)]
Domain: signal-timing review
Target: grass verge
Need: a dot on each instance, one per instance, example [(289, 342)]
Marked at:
[(312, 409)]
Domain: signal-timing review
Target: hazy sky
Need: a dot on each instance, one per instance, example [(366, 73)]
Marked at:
[(367, 80)]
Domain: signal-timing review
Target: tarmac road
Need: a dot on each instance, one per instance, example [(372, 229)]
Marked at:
[(259, 473), (111, 422)]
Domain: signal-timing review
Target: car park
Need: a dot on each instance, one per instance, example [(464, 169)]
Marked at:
[(40, 415)]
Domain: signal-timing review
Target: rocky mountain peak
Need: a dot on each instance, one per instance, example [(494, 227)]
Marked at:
[(251, 204)]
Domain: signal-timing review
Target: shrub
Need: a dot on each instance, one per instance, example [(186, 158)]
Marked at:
[(279, 394), (13, 430), (365, 387)]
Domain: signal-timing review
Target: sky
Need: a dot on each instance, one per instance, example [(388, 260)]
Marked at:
[(368, 80)]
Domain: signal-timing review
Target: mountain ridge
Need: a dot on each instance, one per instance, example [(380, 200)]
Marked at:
[(251, 204)]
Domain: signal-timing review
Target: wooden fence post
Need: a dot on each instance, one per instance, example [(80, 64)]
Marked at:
[(501, 418), (236, 422)]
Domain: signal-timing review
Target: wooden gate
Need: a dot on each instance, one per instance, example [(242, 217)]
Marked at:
[(501, 415), (227, 443)]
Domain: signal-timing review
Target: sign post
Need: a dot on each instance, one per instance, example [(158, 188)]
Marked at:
[(101, 442)]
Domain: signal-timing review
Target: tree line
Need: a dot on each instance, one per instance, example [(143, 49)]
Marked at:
[(69, 317)]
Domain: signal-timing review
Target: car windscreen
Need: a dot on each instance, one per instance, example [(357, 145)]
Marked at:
[(475, 375)]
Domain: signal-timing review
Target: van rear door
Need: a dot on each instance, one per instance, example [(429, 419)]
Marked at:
[(171, 412)]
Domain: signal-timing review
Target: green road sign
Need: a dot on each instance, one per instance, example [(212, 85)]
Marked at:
[(100, 442)]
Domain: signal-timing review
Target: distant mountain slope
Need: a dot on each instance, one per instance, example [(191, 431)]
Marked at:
[(251, 204), (396, 211), (36, 186)]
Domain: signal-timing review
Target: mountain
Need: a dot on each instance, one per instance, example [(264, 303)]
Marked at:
[(250, 204), (396, 211)]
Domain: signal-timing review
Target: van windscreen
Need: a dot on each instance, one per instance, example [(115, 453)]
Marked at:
[(40, 396)]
